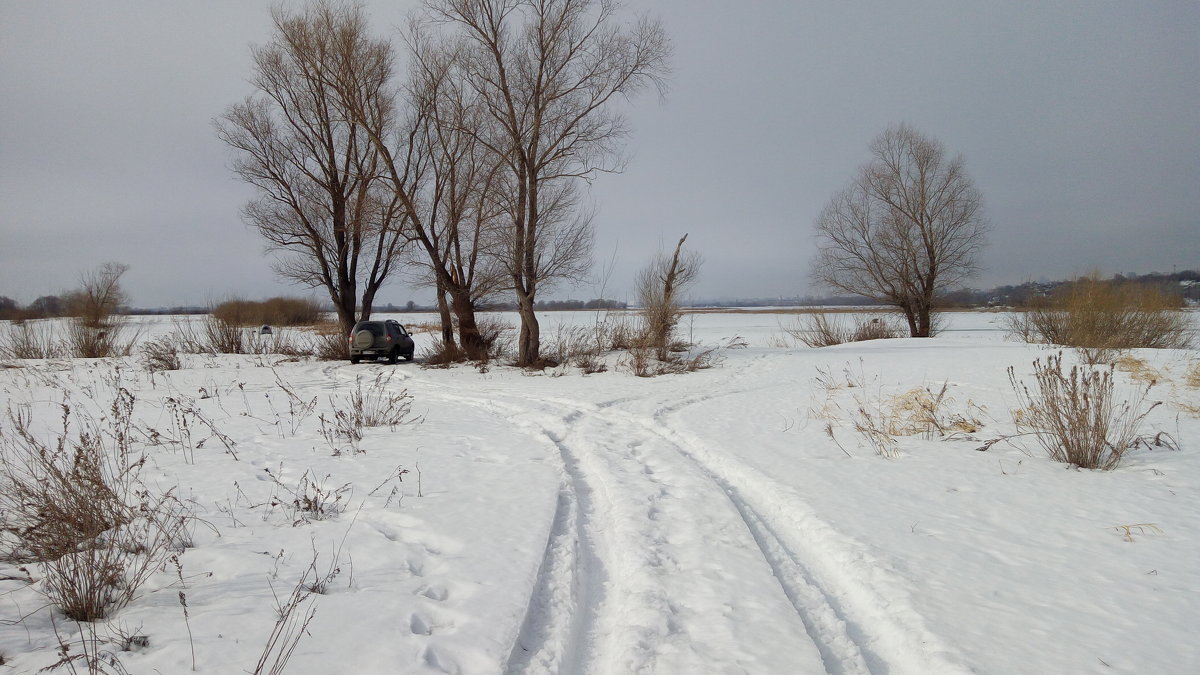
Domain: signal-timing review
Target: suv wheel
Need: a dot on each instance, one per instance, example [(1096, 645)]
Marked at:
[(394, 355), (355, 359)]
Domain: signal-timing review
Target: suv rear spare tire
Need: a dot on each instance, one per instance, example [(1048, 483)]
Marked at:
[(364, 339)]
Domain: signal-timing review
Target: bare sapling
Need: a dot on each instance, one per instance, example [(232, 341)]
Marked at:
[(93, 331), (659, 288)]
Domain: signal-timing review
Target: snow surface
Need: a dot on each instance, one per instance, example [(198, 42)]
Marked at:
[(729, 520)]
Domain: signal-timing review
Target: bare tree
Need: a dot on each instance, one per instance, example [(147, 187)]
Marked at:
[(908, 227), (659, 286), (99, 295), (322, 202), (548, 74), (437, 171), (459, 201)]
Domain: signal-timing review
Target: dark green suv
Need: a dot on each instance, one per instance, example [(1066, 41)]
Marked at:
[(375, 339)]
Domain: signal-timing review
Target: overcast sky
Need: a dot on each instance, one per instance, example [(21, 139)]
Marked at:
[(1079, 122)]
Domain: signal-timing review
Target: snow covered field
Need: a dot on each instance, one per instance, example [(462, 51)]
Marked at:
[(730, 520)]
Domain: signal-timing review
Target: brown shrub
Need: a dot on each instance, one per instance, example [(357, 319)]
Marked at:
[(86, 341), (619, 332), (825, 330), (1101, 318), (440, 354), (331, 345), (273, 311), (222, 337), (497, 335), (659, 287), (99, 296)]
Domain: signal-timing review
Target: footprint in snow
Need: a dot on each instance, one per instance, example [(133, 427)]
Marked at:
[(420, 625), (436, 659), (438, 593)]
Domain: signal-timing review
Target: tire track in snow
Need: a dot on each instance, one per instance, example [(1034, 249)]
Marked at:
[(653, 542), (857, 616), (570, 579), (839, 645), (559, 618), (832, 572)]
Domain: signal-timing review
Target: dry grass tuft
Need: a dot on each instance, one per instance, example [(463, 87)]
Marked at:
[(825, 330), (312, 499), (643, 361), (77, 506), (1142, 529), (161, 354), (329, 343), (926, 411), (431, 327), (223, 337), (86, 341), (1193, 376), (440, 354), (29, 340), (378, 405), (1074, 415), (1138, 369)]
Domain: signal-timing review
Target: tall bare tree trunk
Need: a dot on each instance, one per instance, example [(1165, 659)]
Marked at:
[(468, 329), (447, 321), (548, 74)]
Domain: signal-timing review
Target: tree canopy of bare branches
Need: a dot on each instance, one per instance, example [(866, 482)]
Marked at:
[(442, 178), (908, 227), (456, 200), (99, 295), (321, 202), (547, 75)]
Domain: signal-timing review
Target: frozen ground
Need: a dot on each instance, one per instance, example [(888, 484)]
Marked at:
[(726, 521)]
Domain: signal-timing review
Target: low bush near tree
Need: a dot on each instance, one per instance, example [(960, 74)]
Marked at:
[(825, 330)]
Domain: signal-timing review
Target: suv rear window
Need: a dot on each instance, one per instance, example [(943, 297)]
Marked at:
[(375, 328)]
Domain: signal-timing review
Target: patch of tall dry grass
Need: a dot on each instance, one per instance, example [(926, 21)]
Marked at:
[(1101, 318), (273, 311), (1075, 415)]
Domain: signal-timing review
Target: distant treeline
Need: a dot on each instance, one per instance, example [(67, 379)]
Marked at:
[(559, 305), (1185, 284)]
